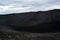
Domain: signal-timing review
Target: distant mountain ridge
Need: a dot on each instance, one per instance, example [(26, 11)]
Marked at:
[(42, 21)]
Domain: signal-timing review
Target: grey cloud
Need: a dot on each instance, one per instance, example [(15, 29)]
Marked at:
[(35, 5)]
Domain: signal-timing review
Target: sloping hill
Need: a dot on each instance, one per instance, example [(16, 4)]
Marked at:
[(41, 25), (41, 21)]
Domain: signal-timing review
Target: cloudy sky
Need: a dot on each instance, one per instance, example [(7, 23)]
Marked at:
[(18, 6)]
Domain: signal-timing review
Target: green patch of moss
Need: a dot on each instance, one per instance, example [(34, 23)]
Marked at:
[(27, 23)]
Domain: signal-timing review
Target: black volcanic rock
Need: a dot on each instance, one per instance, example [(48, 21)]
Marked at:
[(41, 21)]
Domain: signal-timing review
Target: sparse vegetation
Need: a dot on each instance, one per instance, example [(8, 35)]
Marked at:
[(28, 36)]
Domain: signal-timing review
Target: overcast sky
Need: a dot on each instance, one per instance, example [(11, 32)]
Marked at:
[(18, 6)]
